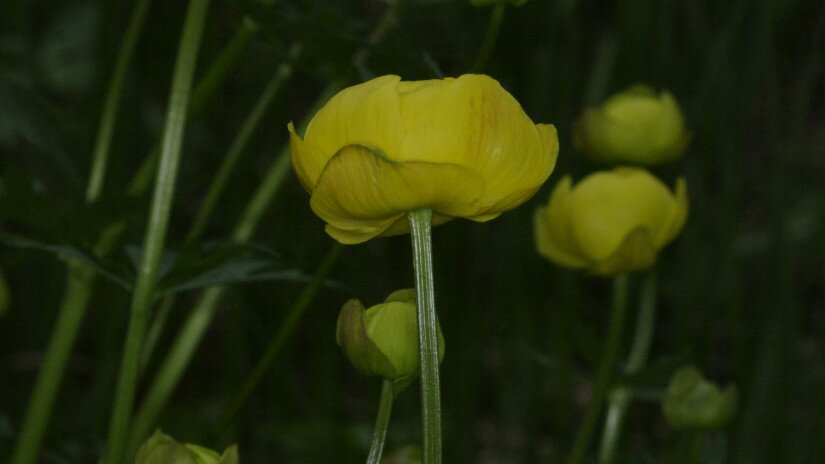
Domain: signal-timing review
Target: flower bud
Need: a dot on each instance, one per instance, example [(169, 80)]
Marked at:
[(693, 402), (163, 449), (636, 126), (383, 340), (611, 221)]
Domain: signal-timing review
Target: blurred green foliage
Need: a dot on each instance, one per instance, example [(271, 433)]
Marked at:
[(742, 290)]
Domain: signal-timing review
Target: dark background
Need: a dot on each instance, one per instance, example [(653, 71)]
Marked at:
[(742, 290)]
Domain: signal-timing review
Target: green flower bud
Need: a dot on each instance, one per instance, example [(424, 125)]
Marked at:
[(406, 455), (693, 402), (636, 126), (383, 340), (163, 449)]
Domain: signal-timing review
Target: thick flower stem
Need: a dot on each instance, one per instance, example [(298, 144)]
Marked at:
[(420, 230), (382, 422), (143, 294), (607, 367), (620, 398)]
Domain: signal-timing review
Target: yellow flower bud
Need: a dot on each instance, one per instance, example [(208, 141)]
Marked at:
[(636, 126), (462, 147), (383, 340), (163, 449), (611, 222), (692, 402)]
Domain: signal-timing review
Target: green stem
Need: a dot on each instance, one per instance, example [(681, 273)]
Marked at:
[(605, 373), (420, 231), (493, 28), (620, 398), (80, 279), (112, 102), (240, 143), (284, 332), (195, 326), (382, 422), (70, 315), (158, 223)]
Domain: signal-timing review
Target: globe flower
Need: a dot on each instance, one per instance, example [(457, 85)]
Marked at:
[(611, 222), (693, 402), (636, 126), (163, 449), (383, 340), (462, 147)]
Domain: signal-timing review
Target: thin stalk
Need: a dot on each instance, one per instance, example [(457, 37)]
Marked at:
[(420, 231), (108, 117), (382, 423), (198, 321), (490, 37), (69, 317), (157, 227), (606, 370), (284, 332), (79, 279), (620, 398)]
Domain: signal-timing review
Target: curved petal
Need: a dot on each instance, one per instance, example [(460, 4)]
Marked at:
[(366, 114), (607, 206), (307, 160), (473, 122), (634, 254), (552, 228), (360, 189), (676, 217)]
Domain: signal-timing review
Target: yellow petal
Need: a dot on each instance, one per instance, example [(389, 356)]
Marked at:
[(676, 217), (607, 206), (473, 122), (636, 253), (360, 192), (308, 161), (366, 114), (552, 229)]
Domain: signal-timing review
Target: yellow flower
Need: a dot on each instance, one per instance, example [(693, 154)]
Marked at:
[(635, 126), (610, 222), (462, 147), (163, 449)]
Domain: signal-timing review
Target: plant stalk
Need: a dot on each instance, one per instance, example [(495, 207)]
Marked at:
[(157, 227), (605, 373), (490, 37), (420, 231), (382, 423), (620, 398)]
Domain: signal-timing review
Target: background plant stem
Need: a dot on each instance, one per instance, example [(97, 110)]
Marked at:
[(420, 232), (158, 222), (620, 398), (607, 367), (382, 422), (80, 279), (490, 36)]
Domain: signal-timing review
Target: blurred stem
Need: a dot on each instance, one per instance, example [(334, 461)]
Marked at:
[(108, 117), (79, 279), (219, 182), (607, 367), (70, 315), (195, 326), (420, 231), (157, 227), (382, 422), (620, 398), (202, 93), (490, 37), (284, 332)]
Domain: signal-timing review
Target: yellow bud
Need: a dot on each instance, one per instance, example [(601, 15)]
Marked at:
[(163, 449), (636, 126), (692, 402), (383, 340), (611, 222), (462, 147)]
